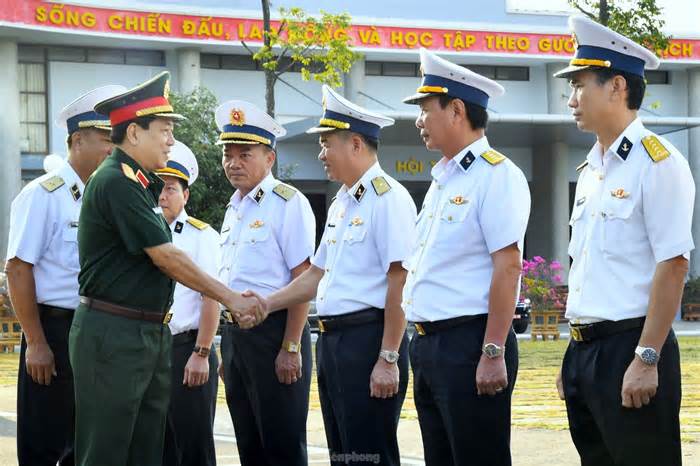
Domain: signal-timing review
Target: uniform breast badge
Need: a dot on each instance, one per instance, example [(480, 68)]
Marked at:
[(619, 193)]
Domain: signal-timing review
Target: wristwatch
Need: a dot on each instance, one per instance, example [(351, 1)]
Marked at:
[(389, 356), (291, 346), (492, 350), (647, 355), (202, 351)]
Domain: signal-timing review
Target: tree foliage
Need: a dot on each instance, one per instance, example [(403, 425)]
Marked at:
[(210, 194), (640, 20), (318, 47)]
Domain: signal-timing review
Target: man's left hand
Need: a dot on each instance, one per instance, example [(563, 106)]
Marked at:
[(288, 367), (384, 381), (196, 371), (491, 376), (639, 384)]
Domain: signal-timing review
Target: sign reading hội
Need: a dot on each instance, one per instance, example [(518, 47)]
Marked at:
[(154, 25)]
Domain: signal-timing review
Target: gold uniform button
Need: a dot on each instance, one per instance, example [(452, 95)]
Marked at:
[(601, 176)]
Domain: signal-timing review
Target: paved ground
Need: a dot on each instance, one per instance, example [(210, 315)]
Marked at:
[(530, 446)]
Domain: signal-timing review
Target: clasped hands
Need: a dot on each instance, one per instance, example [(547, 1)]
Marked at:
[(248, 309)]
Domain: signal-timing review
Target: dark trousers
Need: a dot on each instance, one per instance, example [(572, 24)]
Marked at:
[(604, 432), (359, 429), (189, 434), (45, 413), (269, 417), (121, 369), (458, 426)]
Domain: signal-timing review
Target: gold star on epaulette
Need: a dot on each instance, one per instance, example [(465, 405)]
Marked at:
[(284, 191), (53, 183), (493, 157), (380, 185), (655, 149)]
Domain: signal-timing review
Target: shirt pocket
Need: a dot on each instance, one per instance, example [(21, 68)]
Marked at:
[(621, 231), (577, 228), (69, 247), (354, 235), (255, 237), (455, 213)]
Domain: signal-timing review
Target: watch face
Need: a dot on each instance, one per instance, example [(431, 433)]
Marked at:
[(649, 356), (491, 350), (392, 357)]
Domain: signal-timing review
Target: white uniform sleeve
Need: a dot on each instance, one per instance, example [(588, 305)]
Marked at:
[(668, 195), (298, 232), (505, 208), (210, 259), (31, 225), (393, 223)]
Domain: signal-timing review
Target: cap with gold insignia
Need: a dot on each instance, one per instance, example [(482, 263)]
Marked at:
[(442, 77), (80, 113), (241, 122), (600, 47), (146, 99), (181, 164), (340, 113)]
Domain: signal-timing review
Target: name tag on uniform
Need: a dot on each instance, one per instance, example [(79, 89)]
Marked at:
[(580, 201), (225, 229)]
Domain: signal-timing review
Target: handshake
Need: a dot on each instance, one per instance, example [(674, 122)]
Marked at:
[(248, 308)]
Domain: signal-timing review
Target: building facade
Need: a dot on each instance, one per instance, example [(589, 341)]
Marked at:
[(51, 52)]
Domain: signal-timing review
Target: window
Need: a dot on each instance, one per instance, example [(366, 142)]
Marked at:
[(31, 80), (107, 56), (657, 77), (512, 73), (238, 62)]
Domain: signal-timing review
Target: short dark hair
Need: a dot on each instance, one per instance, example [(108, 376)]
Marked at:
[(119, 131), (477, 115), (636, 85), (69, 140), (372, 143)]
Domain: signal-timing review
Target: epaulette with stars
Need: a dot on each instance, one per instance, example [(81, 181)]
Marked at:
[(53, 183), (655, 149), (284, 191), (380, 185)]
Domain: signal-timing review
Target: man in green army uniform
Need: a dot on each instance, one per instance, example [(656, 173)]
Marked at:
[(119, 343)]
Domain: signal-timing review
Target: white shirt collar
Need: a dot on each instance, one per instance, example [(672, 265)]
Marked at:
[(182, 218), (365, 181), (70, 176), (629, 137), (267, 184), (446, 166)]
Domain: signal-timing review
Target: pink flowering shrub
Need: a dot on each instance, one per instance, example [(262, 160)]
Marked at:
[(539, 281)]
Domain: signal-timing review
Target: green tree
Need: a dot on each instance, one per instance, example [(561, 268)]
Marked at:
[(316, 46), (640, 20), (210, 194)]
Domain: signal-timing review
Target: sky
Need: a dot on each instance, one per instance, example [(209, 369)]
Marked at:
[(682, 16)]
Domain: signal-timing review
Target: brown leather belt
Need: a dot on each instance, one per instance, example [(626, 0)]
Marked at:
[(124, 311)]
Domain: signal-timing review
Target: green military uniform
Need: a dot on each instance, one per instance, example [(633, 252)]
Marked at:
[(121, 362)]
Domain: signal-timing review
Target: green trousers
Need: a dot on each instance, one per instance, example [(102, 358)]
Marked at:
[(121, 372)]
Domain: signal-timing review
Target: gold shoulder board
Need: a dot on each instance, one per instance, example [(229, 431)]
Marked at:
[(380, 185), (655, 149), (53, 183), (198, 224), (493, 157), (284, 191)]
